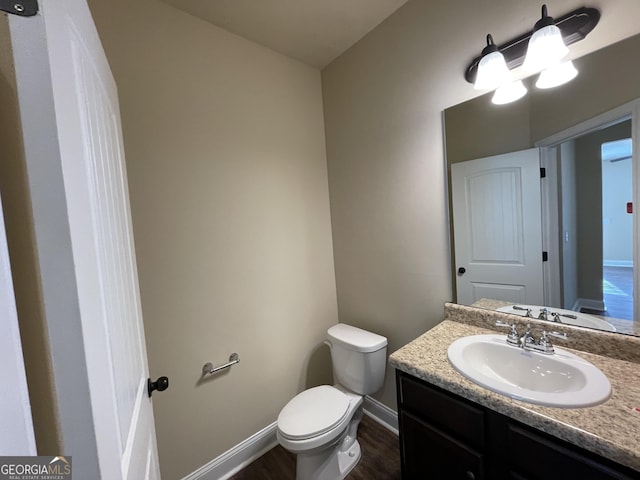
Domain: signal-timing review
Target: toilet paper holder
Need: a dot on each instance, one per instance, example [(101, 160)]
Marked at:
[(208, 367)]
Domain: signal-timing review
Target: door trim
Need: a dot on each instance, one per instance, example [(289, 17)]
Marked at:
[(630, 110), (552, 287)]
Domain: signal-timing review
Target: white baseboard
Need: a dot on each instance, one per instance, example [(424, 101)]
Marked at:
[(618, 263), (382, 414), (238, 457)]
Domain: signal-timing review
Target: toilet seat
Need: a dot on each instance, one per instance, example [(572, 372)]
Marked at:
[(313, 412)]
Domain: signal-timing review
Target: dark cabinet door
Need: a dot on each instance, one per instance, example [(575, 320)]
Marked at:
[(431, 454), (454, 416), (533, 456)]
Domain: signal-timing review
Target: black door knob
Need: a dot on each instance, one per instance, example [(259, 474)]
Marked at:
[(461, 270), (161, 385)]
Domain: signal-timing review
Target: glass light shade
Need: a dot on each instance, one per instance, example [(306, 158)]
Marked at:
[(557, 75), (492, 72), (546, 47), (509, 93)]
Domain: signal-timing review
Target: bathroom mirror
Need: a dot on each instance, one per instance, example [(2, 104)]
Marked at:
[(607, 85)]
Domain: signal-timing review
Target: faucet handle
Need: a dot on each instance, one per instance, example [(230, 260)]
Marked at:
[(544, 345), (524, 309), (556, 334), (512, 337)]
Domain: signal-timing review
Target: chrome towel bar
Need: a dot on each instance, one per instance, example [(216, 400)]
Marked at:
[(208, 367)]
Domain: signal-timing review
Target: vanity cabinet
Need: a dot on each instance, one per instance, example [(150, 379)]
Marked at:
[(446, 437)]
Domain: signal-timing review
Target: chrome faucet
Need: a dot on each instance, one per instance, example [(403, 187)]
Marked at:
[(528, 342), (544, 314)]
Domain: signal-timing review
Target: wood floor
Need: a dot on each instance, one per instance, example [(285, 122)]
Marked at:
[(380, 458), (617, 289), (618, 292)]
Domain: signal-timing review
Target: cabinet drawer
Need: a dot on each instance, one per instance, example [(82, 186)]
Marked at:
[(533, 456), (452, 415), (431, 454)]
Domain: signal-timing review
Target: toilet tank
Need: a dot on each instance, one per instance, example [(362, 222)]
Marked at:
[(359, 358)]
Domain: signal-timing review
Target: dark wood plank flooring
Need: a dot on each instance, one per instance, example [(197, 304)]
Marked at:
[(380, 458)]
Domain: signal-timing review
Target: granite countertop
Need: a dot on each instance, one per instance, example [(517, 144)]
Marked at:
[(610, 429)]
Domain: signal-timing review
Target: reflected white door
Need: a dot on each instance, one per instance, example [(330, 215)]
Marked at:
[(77, 179), (498, 228)]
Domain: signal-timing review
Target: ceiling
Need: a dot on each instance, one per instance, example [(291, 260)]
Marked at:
[(314, 32)]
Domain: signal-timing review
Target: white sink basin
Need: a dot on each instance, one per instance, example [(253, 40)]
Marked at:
[(559, 380), (582, 320)]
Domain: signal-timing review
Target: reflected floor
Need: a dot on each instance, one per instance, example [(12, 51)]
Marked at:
[(617, 287), (617, 290)]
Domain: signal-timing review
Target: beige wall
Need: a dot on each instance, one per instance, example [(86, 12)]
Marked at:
[(228, 184), (477, 128), (383, 103), (569, 223), (23, 257)]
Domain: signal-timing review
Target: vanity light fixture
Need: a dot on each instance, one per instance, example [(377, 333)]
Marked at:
[(509, 92), (557, 74), (492, 69), (573, 27), (546, 46)]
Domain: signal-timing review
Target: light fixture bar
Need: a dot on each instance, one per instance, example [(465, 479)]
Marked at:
[(575, 26)]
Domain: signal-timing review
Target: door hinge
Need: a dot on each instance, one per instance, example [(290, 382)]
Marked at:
[(545, 256), (24, 8), (543, 172)]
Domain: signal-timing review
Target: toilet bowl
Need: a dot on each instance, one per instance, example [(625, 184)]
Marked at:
[(320, 424)]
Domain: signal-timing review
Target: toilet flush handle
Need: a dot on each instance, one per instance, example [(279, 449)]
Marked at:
[(328, 343)]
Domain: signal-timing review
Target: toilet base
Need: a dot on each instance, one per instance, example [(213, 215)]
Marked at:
[(329, 465), (349, 459)]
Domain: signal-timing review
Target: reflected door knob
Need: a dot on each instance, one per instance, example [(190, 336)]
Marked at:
[(461, 271), (161, 384)]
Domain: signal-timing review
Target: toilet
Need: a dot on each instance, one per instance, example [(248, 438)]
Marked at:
[(320, 424)]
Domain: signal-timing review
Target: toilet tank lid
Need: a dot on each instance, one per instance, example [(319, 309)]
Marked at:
[(354, 338)]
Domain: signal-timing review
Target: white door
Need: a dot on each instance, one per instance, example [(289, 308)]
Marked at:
[(498, 228), (16, 427), (77, 180)]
